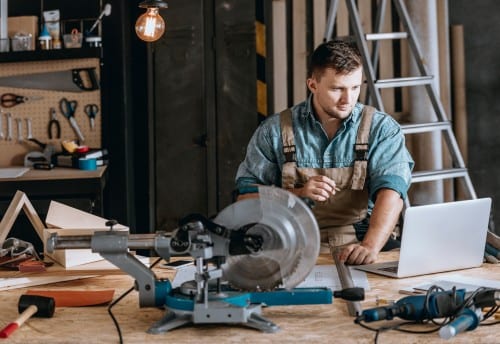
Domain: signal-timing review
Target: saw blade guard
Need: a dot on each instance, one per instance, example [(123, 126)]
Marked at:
[(290, 236)]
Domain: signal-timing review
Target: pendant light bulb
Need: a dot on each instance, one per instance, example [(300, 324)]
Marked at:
[(150, 26)]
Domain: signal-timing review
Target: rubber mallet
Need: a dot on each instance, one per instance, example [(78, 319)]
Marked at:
[(30, 305)]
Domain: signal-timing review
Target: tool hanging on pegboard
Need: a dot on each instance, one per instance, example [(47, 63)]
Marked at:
[(74, 80)]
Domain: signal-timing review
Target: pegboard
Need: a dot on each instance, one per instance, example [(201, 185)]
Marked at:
[(38, 111)]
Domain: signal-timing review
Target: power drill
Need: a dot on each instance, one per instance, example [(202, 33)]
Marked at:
[(438, 305)]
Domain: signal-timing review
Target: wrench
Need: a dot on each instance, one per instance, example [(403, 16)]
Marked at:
[(9, 126), (19, 129), (28, 124)]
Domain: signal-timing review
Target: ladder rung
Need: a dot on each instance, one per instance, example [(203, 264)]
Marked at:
[(386, 35), (402, 82), (425, 127), (426, 176)]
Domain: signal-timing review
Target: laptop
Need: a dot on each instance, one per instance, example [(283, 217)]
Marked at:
[(439, 237)]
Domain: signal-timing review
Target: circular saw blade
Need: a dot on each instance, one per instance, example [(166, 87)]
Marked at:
[(290, 240)]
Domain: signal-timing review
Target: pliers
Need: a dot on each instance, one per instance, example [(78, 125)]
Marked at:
[(54, 123)]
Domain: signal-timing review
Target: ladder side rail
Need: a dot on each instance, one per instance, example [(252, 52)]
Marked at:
[(365, 54), (452, 142), (379, 21), (469, 187), (330, 23)]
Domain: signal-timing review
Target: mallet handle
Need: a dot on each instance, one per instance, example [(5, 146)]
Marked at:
[(28, 313)]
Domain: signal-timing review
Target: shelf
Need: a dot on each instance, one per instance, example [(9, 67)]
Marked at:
[(59, 54)]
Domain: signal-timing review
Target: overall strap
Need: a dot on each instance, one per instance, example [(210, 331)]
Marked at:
[(361, 149), (289, 173)]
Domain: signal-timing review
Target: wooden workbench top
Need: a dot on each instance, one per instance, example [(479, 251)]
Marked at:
[(299, 324), (57, 173)]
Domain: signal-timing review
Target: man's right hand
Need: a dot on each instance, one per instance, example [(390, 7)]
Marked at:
[(318, 188)]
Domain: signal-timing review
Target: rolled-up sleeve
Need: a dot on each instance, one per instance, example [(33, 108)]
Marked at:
[(260, 165), (390, 164)]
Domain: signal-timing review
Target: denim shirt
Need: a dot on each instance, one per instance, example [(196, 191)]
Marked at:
[(389, 162)]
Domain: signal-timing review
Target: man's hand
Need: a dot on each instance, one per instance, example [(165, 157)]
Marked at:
[(357, 254), (318, 188)]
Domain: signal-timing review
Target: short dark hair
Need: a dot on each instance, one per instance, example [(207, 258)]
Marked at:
[(343, 56)]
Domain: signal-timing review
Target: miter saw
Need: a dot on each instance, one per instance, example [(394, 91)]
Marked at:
[(252, 254)]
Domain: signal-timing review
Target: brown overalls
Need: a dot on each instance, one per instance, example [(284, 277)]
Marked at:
[(337, 215)]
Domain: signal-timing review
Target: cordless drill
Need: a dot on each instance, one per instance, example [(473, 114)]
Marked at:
[(418, 307)]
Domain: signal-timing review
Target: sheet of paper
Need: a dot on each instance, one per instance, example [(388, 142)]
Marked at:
[(12, 172), (320, 276), (23, 282), (455, 280), (327, 276)]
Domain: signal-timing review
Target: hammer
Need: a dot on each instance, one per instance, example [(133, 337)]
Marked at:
[(30, 305)]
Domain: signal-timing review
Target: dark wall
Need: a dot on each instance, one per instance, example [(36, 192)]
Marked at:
[(482, 58), (204, 106)]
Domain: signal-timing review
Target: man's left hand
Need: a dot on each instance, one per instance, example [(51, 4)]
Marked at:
[(357, 254)]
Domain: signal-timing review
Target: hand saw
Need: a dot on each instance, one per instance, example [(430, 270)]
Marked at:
[(73, 80)]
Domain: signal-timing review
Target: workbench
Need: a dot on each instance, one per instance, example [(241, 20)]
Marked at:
[(299, 324)]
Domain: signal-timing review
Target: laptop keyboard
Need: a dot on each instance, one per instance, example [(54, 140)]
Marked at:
[(390, 269)]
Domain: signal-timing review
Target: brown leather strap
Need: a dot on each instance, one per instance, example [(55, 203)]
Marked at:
[(289, 173), (287, 136), (361, 149)]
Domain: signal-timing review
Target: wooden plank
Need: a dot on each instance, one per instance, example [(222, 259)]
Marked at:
[(320, 13), (444, 54), (386, 63), (443, 34), (61, 215), (459, 89), (280, 65), (459, 97), (11, 214), (31, 281), (342, 20), (76, 298), (299, 51), (365, 16), (32, 215), (58, 173), (20, 201)]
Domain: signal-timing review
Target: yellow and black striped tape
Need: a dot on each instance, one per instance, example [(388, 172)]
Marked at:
[(260, 44)]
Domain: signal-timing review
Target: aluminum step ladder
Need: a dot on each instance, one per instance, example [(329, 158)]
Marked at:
[(374, 85)]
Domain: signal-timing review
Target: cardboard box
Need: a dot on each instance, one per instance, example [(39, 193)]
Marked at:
[(24, 24), (65, 220)]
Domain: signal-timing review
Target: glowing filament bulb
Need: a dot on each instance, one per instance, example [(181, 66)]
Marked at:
[(150, 26)]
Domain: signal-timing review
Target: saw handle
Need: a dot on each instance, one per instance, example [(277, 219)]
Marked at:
[(85, 79)]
